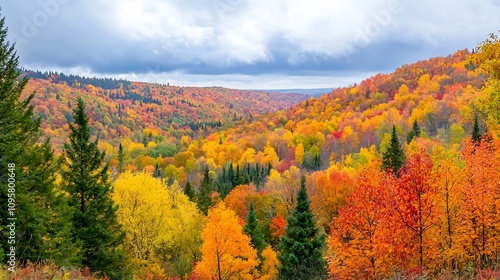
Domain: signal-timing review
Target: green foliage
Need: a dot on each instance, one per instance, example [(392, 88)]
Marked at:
[(86, 181), (162, 150), (204, 199), (121, 159), (189, 191), (476, 133), (414, 132), (42, 225), (253, 230), (300, 249), (394, 156)]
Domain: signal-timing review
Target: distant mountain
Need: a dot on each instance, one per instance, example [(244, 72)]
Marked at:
[(306, 91), (123, 109)]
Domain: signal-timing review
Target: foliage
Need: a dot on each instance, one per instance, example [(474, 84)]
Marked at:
[(28, 173), (300, 251), (226, 251), (94, 220)]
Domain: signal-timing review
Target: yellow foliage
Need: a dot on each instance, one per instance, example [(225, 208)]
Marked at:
[(269, 270), (156, 218), (226, 251)]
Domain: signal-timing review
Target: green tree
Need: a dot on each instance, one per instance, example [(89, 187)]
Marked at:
[(86, 181), (189, 191), (253, 230), (476, 133), (394, 156), (121, 159), (300, 250), (27, 163), (204, 199), (414, 132)]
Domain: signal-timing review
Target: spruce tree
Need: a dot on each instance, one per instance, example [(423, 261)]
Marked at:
[(476, 133), (300, 250), (121, 159), (394, 156), (189, 191), (414, 132), (204, 199), (86, 181), (42, 224), (253, 230)]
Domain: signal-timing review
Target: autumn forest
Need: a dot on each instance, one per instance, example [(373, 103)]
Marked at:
[(394, 177)]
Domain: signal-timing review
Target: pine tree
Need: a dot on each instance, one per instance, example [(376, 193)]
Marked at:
[(414, 132), (476, 133), (253, 230), (300, 249), (189, 191), (43, 216), (86, 181), (121, 159), (204, 199), (394, 157)]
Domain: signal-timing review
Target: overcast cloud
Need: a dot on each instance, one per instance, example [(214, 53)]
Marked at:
[(243, 43)]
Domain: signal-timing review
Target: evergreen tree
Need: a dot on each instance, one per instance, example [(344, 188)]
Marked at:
[(86, 181), (253, 230), (476, 133), (43, 216), (414, 132), (300, 249), (121, 159), (189, 191), (204, 199), (394, 156), (157, 172)]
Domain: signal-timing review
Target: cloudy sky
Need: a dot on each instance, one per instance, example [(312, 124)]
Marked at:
[(243, 43)]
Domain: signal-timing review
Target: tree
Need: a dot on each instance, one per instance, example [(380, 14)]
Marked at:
[(121, 159), (226, 252), (161, 223), (204, 199), (253, 230), (300, 249), (414, 132), (415, 206), (269, 270), (189, 191), (27, 175), (86, 181), (488, 58), (476, 133), (358, 232), (394, 156)]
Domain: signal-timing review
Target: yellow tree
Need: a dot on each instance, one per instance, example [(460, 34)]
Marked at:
[(226, 251), (161, 223), (269, 270)]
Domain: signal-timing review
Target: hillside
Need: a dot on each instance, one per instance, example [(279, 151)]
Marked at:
[(123, 109)]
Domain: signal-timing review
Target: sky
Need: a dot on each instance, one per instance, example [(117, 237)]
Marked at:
[(246, 44)]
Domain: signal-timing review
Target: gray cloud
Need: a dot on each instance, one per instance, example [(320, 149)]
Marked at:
[(214, 39)]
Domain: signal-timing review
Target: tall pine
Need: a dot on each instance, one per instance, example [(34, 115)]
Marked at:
[(86, 181), (204, 199), (476, 132), (414, 132), (253, 230), (300, 250), (121, 159), (394, 156), (43, 216)]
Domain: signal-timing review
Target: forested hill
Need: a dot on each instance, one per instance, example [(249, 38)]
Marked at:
[(123, 109), (438, 93)]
